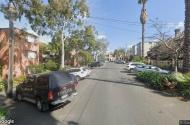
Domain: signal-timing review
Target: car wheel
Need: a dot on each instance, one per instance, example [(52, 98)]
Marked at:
[(78, 78), (39, 104), (132, 70), (19, 96)]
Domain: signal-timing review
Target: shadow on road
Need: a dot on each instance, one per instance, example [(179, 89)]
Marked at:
[(26, 113), (119, 82)]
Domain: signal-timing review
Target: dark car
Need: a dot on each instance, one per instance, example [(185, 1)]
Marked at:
[(120, 62), (47, 88), (95, 64), (101, 63)]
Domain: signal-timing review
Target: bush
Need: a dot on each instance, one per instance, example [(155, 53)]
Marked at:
[(20, 79), (139, 59), (64, 69), (155, 79), (3, 84), (51, 65), (3, 112), (34, 69), (184, 83)]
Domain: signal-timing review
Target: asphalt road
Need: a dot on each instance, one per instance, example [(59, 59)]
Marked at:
[(110, 96)]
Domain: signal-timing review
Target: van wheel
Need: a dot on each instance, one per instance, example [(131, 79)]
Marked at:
[(19, 96), (39, 104)]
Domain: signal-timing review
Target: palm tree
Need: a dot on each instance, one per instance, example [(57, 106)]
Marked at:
[(186, 48), (143, 19)]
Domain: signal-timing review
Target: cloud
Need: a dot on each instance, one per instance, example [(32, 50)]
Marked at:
[(169, 25), (180, 25), (101, 37)]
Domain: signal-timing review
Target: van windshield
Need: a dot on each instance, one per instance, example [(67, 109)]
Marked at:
[(60, 79)]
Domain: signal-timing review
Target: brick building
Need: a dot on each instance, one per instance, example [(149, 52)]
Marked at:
[(26, 51)]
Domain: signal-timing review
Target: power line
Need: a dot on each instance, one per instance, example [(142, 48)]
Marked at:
[(117, 27)]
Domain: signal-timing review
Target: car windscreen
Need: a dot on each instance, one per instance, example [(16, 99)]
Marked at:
[(59, 79), (84, 69)]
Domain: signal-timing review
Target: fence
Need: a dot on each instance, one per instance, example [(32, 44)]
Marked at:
[(169, 65)]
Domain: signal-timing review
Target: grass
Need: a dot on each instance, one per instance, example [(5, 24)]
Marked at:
[(3, 111)]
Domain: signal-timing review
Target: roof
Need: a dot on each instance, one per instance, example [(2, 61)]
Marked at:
[(20, 30)]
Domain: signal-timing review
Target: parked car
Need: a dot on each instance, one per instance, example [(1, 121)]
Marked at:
[(150, 68), (88, 72), (101, 63), (132, 65), (47, 89), (95, 64), (120, 62), (80, 73)]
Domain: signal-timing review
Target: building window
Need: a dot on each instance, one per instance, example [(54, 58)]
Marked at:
[(31, 39), (31, 54)]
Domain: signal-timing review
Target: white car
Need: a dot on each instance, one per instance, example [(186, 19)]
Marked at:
[(80, 73), (88, 72), (132, 65)]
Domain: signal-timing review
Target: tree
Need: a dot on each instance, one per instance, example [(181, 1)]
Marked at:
[(174, 45), (100, 47), (56, 48), (76, 41), (58, 16), (143, 19), (186, 48)]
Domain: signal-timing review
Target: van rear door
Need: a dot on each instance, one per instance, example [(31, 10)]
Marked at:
[(62, 85)]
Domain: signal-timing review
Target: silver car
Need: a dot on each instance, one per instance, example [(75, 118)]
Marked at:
[(150, 68)]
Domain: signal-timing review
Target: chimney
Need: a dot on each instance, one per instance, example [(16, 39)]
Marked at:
[(177, 32)]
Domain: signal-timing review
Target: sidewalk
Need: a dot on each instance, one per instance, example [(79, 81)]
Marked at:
[(4, 101)]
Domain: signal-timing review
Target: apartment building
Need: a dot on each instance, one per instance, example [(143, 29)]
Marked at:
[(26, 51)]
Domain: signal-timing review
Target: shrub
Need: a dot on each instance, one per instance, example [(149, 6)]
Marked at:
[(64, 69), (184, 83), (20, 79), (139, 59), (155, 79), (3, 112), (51, 65), (34, 69), (3, 84)]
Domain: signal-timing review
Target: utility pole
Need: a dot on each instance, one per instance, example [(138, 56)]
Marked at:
[(11, 49)]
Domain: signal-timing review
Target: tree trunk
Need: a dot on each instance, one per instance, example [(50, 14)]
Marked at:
[(143, 34), (63, 48), (186, 47), (78, 59), (11, 51)]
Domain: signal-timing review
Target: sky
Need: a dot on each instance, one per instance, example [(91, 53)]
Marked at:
[(127, 31)]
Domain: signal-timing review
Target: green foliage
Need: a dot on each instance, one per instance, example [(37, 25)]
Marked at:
[(64, 69), (139, 59), (86, 57), (34, 69), (3, 84), (3, 112), (51, 65), (43, 47), (102, 57), (155, 79), (184, 83), (20, 79)]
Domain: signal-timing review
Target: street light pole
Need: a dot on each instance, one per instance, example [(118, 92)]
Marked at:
[(11, 49)]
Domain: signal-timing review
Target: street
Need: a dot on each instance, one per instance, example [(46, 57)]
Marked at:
[(110, 96)]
